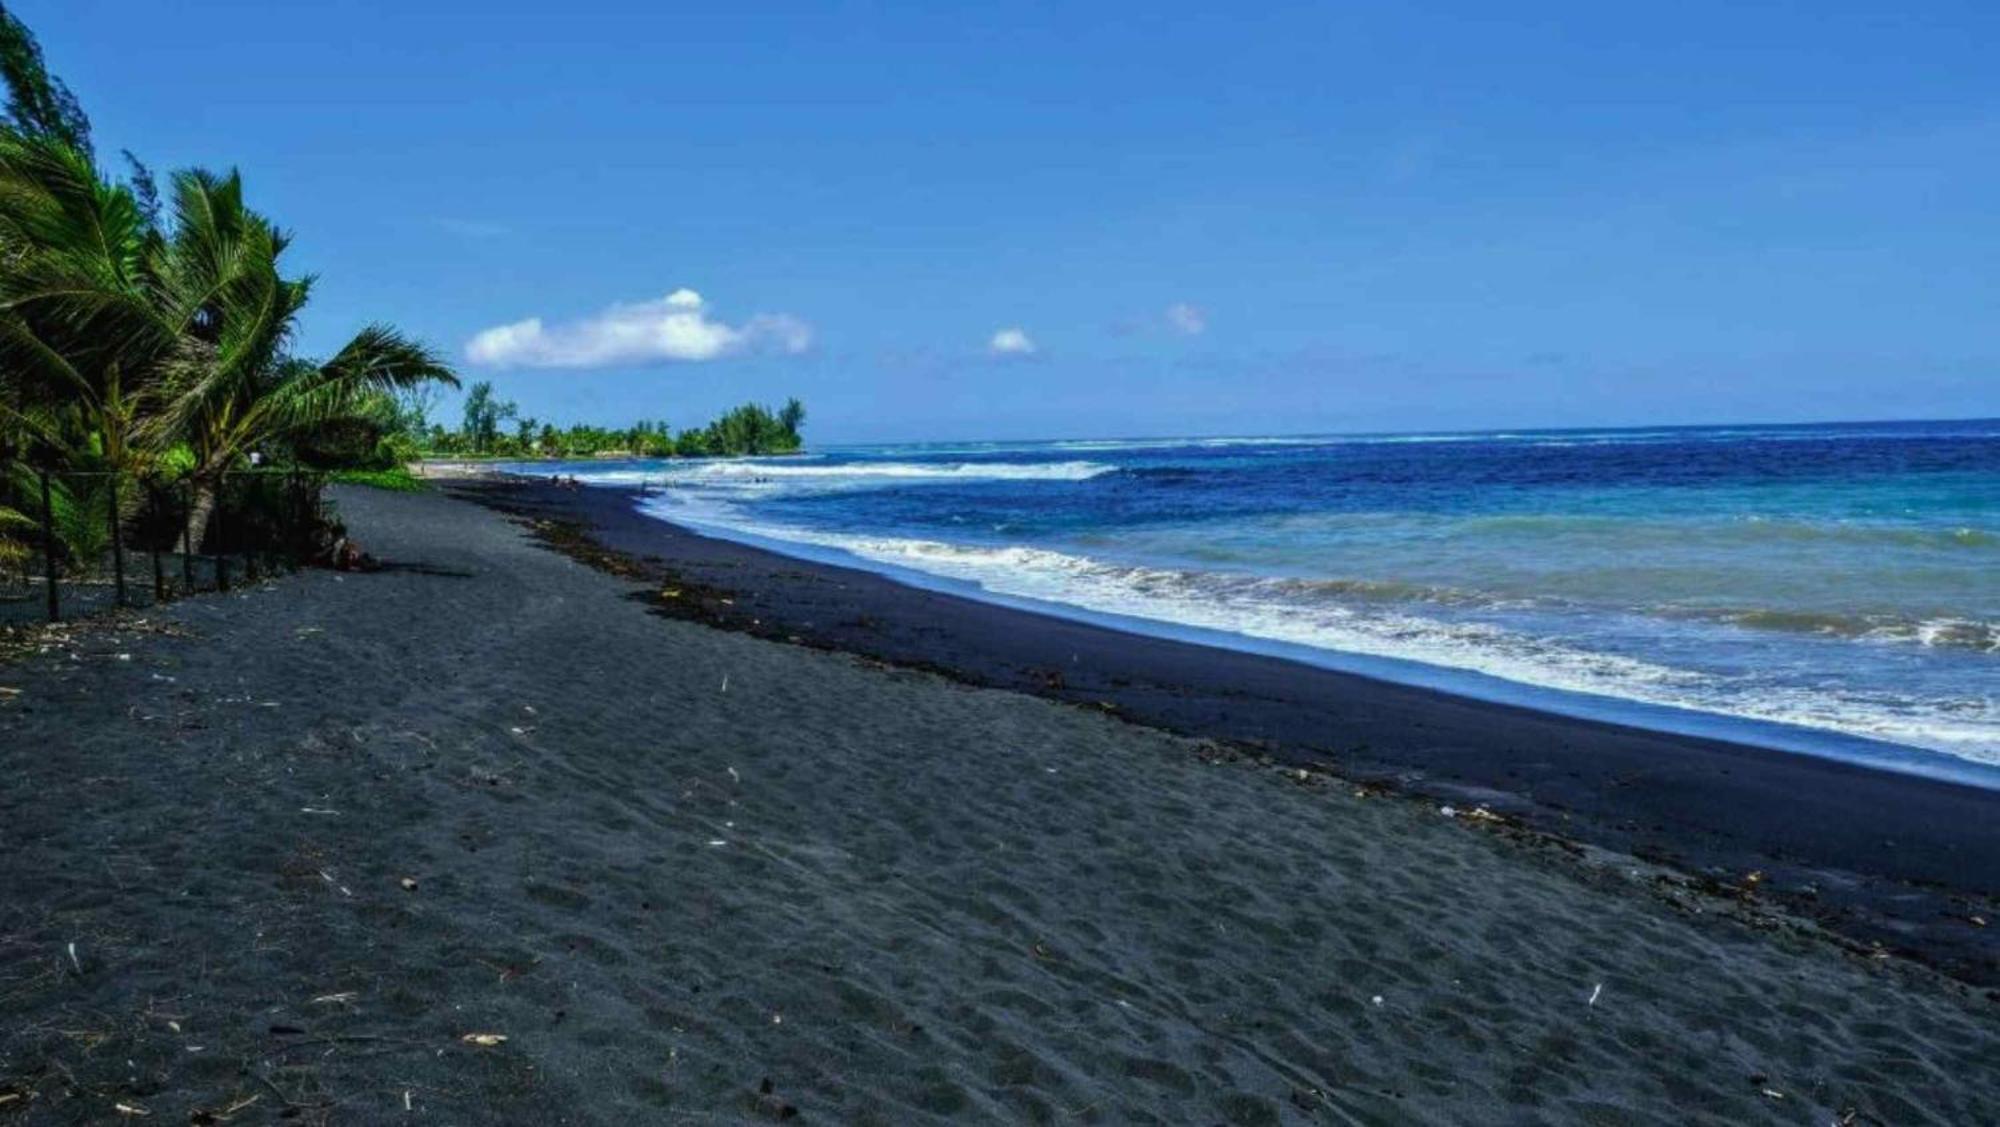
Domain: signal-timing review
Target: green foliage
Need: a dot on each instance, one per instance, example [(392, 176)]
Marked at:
[(145, 190), (81, 510), (17, 533), (752, 429), (86, 326), (174, 463), (397, 479), (483, 416), (153, 338), (749, 429), (38, 104), (18, 530)]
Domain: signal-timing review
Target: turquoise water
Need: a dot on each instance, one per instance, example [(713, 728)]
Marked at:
[(1839, 580)]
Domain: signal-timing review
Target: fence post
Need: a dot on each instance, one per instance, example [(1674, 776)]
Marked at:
[(154, 506), (187, 537), (117, 548), (250, 549), (49, 546), (215, 532)]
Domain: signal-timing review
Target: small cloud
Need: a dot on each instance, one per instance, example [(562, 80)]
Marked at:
[(1187, 320), (676, 327), (782, 331), (1011, 342)]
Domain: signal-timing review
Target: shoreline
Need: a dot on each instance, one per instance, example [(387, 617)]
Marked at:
[(1462, 682), (1894, 860), (500, 833)]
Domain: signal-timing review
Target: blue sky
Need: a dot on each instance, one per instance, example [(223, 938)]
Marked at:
[(1074, 220)]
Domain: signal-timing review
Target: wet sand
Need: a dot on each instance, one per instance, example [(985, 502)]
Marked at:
[(296, 844)]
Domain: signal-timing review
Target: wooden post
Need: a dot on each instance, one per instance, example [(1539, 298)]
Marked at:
[(187, 538), (159, 570), (49, 546), (251, 549), (117, 548), (215, 532)]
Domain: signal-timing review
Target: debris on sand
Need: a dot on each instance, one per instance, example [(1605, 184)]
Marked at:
[(203, 1116), (768, 1103)]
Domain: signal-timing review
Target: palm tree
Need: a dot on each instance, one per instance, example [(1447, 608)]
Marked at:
[(233, 387), (120, 343), (83, 334)]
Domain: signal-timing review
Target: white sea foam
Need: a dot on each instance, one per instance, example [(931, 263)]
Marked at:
[(901, 471), (1274, 610), (792, 475)]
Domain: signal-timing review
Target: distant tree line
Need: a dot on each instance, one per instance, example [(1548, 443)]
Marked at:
[(492, 428)]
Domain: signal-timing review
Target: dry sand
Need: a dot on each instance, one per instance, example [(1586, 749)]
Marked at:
[(691, 875)]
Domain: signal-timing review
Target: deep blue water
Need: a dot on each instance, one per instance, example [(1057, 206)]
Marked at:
[(1841, 580)]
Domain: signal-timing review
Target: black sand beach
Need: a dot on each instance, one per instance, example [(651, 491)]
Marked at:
[(1890, 860), (311, 850)]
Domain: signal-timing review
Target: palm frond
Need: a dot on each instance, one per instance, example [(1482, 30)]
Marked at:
[(349, 387)]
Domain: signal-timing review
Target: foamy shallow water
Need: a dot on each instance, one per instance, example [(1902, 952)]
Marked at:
[(1844, 580)]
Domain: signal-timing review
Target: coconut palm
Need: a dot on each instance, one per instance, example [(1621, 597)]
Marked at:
[(83, 334), (232, 386), (125, 346), (120, 343)]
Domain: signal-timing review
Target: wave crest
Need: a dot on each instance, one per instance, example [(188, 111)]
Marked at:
[(901, 472)]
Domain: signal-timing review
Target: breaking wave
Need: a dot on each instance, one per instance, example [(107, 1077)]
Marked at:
[(1412, 622)]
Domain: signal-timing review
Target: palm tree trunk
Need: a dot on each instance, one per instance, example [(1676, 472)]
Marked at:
[(201, 507)]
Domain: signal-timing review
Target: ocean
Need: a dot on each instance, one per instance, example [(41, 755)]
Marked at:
[(1833, 589)]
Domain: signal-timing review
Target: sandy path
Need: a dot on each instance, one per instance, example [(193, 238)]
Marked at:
[(671, 864)]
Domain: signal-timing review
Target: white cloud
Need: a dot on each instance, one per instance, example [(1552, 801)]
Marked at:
[(782, 331), (1188, 320), (1011, 342), (676, 327)]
